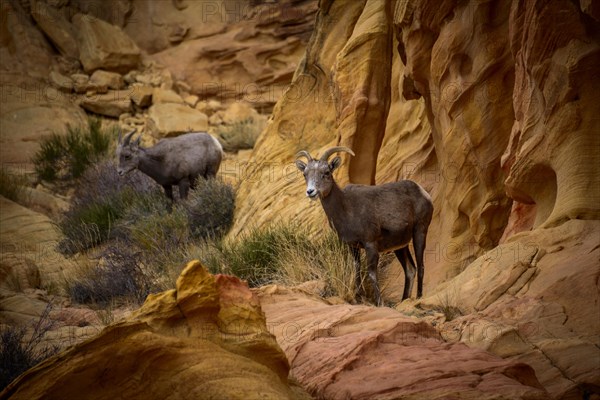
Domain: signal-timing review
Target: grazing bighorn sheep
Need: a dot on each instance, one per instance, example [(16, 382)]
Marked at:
[(378, 218), (177, 161)]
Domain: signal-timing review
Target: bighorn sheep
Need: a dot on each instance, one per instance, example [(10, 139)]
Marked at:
[(177, 161), (378, 218)]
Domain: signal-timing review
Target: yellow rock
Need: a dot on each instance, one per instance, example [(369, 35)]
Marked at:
[(206, 339)]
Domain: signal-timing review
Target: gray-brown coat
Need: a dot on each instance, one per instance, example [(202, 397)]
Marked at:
[(378, 218), (177, 161)]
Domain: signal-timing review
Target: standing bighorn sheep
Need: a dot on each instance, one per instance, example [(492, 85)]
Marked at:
[(177, 161), (377, 218)]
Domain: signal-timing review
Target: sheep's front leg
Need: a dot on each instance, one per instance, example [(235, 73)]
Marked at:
[(357, 279), (169, 193), (372, 261), (184, 187), (193, 182)]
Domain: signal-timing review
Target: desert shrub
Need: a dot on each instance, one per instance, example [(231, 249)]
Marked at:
[(210, 208), (118, 276), (102, 198), (239, 135), (64, 157), (12, 185), (19, 351), (107, 206), (147, 245)]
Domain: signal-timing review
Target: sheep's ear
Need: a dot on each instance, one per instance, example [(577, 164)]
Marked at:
[(335, 163), (136, 142), (300, 165)]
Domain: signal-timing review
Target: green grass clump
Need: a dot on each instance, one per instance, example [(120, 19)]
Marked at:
[(255, 255), (65, 157), (288, 254)]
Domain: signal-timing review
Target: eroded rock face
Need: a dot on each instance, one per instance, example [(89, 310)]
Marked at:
[(205, 339), (359, 352), (57, 27), (231, 51), (491, 110), (531, 299), (550, 161)]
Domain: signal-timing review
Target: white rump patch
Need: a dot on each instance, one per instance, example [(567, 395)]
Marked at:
[(424, 193), (216, 142)]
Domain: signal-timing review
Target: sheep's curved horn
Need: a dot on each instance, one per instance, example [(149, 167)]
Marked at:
[(332, 150), (127, 138), (304, 153)]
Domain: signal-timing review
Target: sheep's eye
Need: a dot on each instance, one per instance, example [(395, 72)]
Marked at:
[(127, 157), (326, 174)]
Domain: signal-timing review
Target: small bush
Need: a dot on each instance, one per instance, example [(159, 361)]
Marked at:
[(239, 135), (18, 352), (447, 306), (100, 200), (65, 157), (210, 209), (12, 185)]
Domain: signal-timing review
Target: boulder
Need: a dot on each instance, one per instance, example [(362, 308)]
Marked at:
[(28, 241), (111, 80), (166, 96), (61, 82), (171, 119), (191, 100), (111, 104), (141, 95), (60, 31), (104, 46), (207, 338)]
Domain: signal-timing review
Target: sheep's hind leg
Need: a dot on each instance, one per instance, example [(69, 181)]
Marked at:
[(419, 241), (372, 262), (408, 265)]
